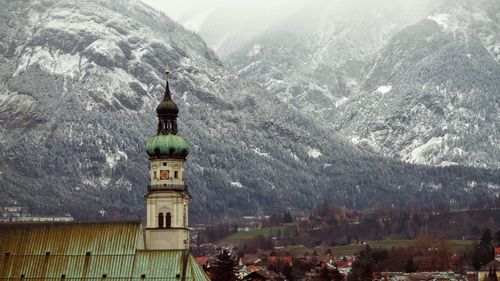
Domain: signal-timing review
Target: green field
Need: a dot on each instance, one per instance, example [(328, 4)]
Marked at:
[(247, 235), (344, 250), (349, 250)]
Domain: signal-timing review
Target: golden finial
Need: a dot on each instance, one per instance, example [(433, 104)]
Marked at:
[(167, 71)]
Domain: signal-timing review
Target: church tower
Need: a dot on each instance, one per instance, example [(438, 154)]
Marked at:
[(168, 196)]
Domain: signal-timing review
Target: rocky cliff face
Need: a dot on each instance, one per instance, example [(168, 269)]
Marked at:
[(79, 82)]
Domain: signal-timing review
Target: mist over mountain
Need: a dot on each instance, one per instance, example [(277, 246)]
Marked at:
[(418, 82), (226, 25), (79, 83)]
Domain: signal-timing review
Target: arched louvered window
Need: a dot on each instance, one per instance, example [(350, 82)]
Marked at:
[(168, 220), (160, 220)]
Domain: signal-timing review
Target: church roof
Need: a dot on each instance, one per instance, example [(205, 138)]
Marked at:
[(493, 263), (87, 250)]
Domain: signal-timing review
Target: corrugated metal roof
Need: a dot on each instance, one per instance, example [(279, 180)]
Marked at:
[(166, 264), (69, 238), (112, 247)]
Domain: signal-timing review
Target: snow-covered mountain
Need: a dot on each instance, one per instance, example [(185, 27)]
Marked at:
[(79, 81), (314, 59), (416, 83), (432, 95)]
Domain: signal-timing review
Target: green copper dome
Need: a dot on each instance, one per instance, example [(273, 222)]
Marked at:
[(167, 146)]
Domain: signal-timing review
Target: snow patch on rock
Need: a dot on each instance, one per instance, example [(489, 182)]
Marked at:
[(259, 152), (384, 89), (341, 101), (236, 184), (54, 62), (314, 153), (443, 20), (294, 156), (435, 186), (420, 154), (112, 157), (448, 163), (255, 50)]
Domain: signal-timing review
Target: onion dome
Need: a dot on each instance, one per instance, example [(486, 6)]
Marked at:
[(167, 106), (166, 143), (171, 146)]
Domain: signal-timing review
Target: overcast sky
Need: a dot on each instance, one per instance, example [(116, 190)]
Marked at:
[(178, 8), (226, 24)]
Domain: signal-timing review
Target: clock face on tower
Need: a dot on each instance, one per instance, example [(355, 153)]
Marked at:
[(164, 175)]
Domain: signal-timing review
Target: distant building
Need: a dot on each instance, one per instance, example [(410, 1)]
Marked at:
[(493, 267), (115, 250), (264, 275), (420, 276), (22, 214)]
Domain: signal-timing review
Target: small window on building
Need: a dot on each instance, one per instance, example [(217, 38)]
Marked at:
[(104, 276), (143, 276), (22, 276), (160, 220), (63, 276), (164, 163), (154, 175), (168, 220), (176, 174)]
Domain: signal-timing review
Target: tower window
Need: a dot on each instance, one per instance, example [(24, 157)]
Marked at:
[(160, 220), (176, 174), (154, 175), (164, 163), (168, 220)]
